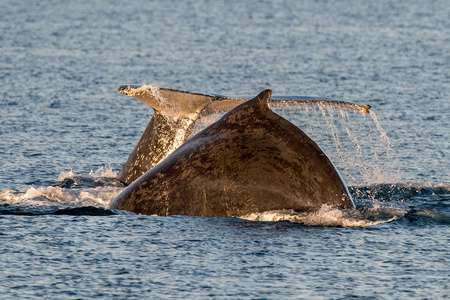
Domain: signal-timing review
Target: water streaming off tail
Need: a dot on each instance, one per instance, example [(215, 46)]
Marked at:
[(355, 142)]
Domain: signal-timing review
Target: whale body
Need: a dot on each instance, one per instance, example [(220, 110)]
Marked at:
[(251, 160)]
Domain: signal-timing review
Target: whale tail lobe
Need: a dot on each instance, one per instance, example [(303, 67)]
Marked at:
[(172, 123)]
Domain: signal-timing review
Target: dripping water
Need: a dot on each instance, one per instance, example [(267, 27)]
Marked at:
[(352, 141)]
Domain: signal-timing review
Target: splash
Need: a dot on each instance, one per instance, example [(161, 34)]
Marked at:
[(55, 195), (331, 217), (102, 176), (154, 91), (168, 102), (65, 175), (140, 90), (96, 189), (103, 172), (359, 147)]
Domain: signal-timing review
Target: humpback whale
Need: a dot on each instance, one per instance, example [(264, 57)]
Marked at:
[(175, 114), (251, 160)]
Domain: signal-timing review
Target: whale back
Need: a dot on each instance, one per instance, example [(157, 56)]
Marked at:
[(251, 160)]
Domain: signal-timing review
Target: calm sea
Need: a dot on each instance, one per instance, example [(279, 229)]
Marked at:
[(65, 132)]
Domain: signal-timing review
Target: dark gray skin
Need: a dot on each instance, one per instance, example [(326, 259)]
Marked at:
[(175, 115), (251, 160)]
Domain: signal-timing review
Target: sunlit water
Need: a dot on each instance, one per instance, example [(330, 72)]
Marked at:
[(65, 132)]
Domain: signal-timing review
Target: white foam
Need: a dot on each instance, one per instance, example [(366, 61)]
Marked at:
[(168, 106), (329, 216), (98, 191), (145, 88), (65, 175), (98, 196), (51, 195), (443, 185), (102, 172)]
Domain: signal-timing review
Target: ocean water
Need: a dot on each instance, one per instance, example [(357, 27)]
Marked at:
[(65, 132)]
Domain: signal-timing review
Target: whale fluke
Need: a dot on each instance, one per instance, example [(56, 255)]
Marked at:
[(251, 160), (175, 103), (175, 115), (217, 104)]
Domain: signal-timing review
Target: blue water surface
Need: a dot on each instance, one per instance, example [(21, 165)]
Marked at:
[(65, 133)]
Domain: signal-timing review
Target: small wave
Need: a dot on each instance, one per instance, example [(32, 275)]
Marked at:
[(332, 217), (400, 191), (71, 191), (51, 195), (100, 177), (426, 216)]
